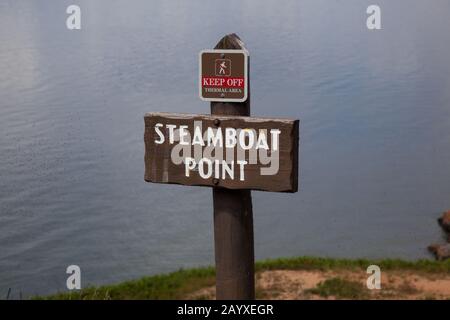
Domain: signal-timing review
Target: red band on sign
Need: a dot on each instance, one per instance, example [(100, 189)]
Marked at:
[(223, 82)]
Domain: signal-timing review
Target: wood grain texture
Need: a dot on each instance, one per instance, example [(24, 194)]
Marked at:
[(159, 167), (233, 215)]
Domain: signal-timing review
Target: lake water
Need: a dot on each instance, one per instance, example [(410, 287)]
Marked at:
[(375, 132)]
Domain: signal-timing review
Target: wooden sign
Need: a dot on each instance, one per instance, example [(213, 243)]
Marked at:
[(223, 75), (229, 151), (233, 152)]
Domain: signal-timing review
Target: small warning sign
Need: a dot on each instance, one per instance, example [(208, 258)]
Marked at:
[(223, 75)]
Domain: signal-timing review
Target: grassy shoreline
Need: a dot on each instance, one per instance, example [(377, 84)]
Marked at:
[(181, 283)]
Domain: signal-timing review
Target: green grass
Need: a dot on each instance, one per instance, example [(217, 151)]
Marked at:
[(174, 285), (177, 285), (340, 288), (324, 264)]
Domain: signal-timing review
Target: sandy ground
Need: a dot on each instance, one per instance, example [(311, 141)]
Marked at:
[(294, 284)]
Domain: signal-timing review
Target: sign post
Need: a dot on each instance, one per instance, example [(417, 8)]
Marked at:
[(229, 151), (233, 215)]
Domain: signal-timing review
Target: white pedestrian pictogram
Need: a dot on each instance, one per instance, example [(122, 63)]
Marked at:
[(222, 67)]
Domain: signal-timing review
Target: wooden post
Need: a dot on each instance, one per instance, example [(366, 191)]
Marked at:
[(233, 216)]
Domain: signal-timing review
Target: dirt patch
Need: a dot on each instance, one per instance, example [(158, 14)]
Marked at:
[(301, 284)]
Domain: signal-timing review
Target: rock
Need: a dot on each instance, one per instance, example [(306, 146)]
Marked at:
[(444, 221), (440, 251)]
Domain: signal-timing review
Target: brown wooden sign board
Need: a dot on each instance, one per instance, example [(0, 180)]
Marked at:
[(223, 75), (233, 152)]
